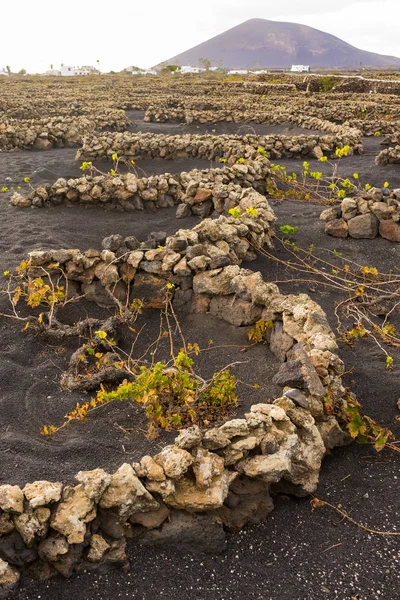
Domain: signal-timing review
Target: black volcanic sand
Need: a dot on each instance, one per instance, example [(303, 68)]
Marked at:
[(296, 554), (36, 363), (364, 165), (60, 162), (218, 128)]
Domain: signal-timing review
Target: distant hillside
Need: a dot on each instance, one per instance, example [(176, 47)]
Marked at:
[(260, 43)]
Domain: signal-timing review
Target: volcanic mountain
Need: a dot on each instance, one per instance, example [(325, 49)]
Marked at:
[(262, 43)]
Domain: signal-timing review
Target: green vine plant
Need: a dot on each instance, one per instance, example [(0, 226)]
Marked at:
[(172, 392), (88, 166), (313, 186), (368, 308)]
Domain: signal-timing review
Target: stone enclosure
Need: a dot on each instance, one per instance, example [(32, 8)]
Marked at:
[(207, 481), (214, 480)]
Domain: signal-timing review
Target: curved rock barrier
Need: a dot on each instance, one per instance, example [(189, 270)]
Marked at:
[(375, 212), (198, 191), (207, 481), (355, 84), (388, 156), (59, 131), (231, 147), (233, 114)]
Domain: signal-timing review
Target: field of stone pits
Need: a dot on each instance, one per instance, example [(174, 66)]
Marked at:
[(199, 305)]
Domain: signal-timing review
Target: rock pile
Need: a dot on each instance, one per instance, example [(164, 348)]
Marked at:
[(376, 211), (197, 192)]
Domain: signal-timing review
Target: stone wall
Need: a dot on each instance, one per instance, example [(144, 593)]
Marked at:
[(60, 131), (231, 147), (197, 192), (355, 84), (374, 212), (210, 480)]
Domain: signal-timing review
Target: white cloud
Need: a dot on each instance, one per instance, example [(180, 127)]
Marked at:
[(38, 33)]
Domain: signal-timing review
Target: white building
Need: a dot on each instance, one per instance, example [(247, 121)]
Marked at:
[(300, 69), (137, 71), (3, 72), (188, 69), (238, 72), (69, 71)]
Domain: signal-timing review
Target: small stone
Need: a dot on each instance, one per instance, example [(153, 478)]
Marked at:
[(381, 211), (73, 512), (126, 493), (349, 208), (6, 523), (151, 520), (113, 242), (183, 211), (94, 482), (390, 230), (188, 438), (32, 525), (214, 439), (9, 577), (297, 397), (290, 373), (159, 237), (202, 195), (98, 547), (131, 242), (19, 200), (337, 228), (151, 469), (41, 493), (11, 499), (175, 461), (235, 427), (134, 258), (53, 547)]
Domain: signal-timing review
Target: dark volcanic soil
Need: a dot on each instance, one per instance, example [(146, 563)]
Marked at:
[(296, 554), (36, 363)]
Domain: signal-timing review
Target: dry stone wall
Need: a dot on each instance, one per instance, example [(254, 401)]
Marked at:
[(377, 211), (206, 481), (197, 192), (230, 147), (60, 131)]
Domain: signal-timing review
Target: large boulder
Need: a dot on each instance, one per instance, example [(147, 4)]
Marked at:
[(364, 227), (337, 228), (390, 230)]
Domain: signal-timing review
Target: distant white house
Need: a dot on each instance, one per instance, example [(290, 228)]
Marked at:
[(238, 72), (137, 71), (69, 71), (189, 69), (259, 72), (300, 69), (3, 72)]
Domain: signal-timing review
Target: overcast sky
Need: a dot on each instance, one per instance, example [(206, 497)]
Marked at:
[(37, 33)]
